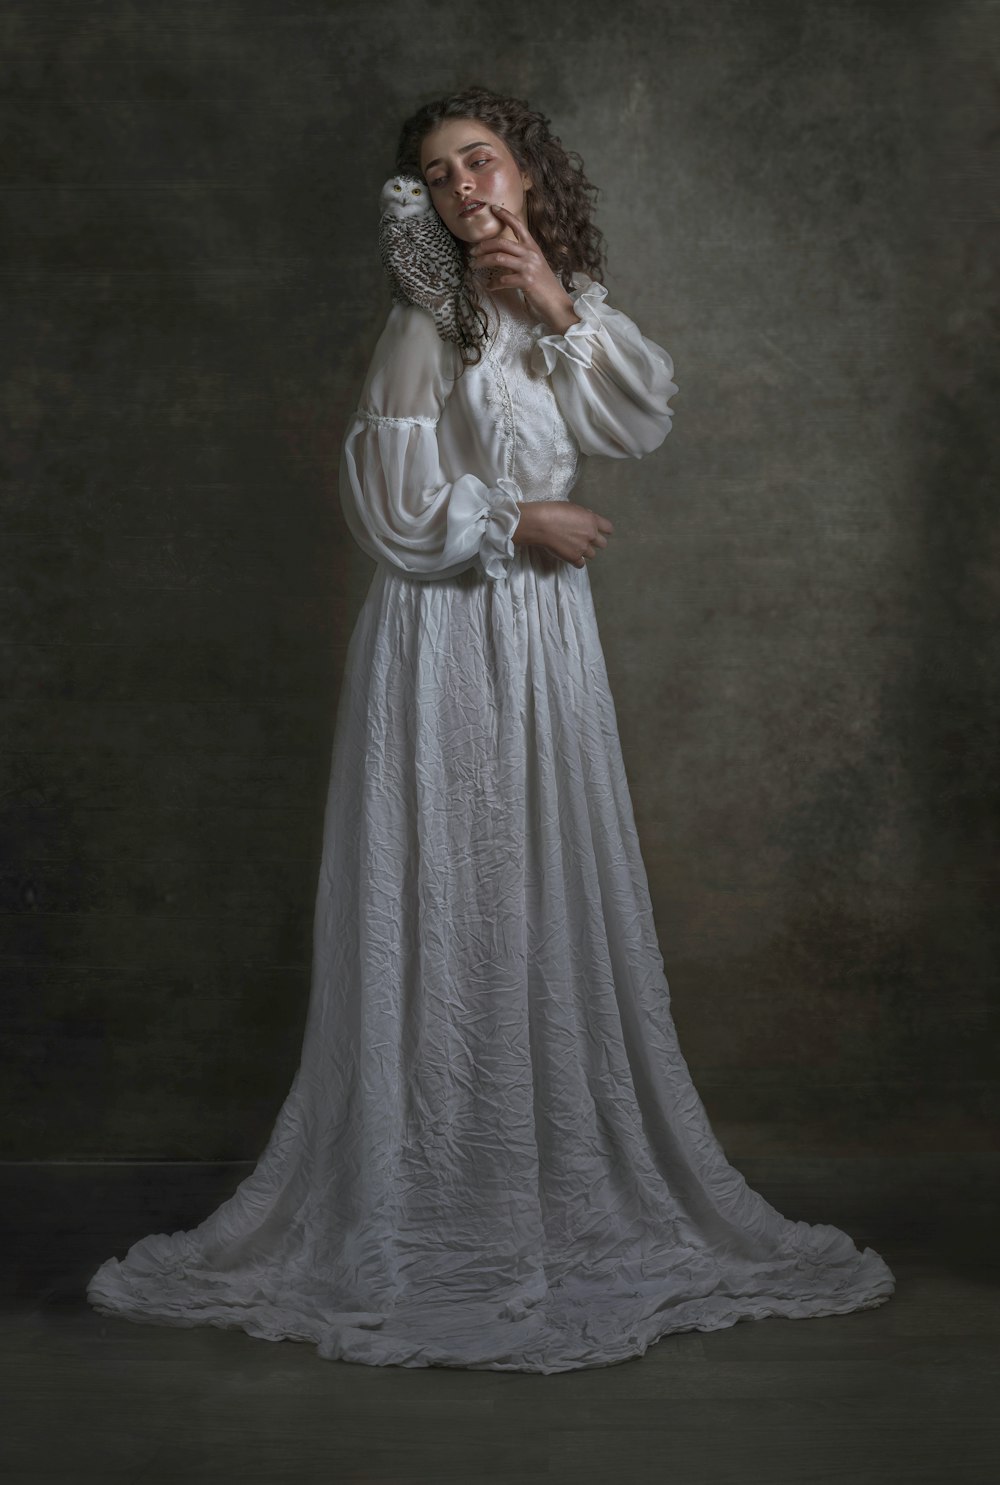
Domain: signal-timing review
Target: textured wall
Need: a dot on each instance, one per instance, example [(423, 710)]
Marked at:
[(799, 204)]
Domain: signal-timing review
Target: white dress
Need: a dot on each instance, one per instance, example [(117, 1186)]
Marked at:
[(492, 1154)]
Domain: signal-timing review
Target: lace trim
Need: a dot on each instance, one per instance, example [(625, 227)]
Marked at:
[(393, 422), (540, 453), (498, 396)]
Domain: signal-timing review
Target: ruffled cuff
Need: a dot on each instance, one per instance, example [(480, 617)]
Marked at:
[(577, 342), (496, 550)]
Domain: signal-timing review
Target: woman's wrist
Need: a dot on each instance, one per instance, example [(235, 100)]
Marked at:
[(555, 316), (560, 321), (529, 528)]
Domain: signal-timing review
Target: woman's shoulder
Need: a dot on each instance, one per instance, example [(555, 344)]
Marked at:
[(409, 321), (410, 334)]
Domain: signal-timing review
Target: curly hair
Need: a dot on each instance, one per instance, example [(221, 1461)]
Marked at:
[(559, 210)]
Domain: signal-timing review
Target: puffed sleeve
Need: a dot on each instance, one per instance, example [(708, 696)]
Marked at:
[(398, 502), (612, 385)]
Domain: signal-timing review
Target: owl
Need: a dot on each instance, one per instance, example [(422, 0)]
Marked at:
[(424, 262)]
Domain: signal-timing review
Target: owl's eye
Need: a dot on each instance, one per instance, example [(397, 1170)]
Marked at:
[(397, 188), (416, 191)]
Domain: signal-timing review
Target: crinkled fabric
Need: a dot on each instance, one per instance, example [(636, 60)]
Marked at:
[(492, 1154)]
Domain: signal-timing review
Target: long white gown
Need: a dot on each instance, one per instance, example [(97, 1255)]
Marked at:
[(492, 1154)]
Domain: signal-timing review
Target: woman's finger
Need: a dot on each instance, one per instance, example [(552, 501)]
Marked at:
[(486, 256), (513, 222)]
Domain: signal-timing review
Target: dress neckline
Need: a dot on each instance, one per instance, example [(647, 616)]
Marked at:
[(511, 297), (514, 305), (505, 315)]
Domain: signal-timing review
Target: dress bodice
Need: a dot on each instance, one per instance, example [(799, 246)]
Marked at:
[(542, 454), (441, 454)]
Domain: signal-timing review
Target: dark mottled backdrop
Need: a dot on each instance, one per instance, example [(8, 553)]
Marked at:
[(799, 204)]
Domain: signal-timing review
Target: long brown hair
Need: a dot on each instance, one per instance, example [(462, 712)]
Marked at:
[(558, 208)]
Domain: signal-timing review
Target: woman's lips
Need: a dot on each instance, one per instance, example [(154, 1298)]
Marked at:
[(470, 211)]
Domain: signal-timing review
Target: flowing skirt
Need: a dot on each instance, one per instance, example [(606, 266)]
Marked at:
[(492, 1154)]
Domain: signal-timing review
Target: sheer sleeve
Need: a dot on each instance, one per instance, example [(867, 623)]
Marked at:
[(398, 502), (612, 385)]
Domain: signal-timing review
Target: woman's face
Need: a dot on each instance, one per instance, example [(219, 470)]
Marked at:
[(463, 161)]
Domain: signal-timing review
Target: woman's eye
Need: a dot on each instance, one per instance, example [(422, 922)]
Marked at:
[(483, 160)]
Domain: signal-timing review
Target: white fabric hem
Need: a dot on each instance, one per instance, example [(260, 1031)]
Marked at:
[(576, 342)]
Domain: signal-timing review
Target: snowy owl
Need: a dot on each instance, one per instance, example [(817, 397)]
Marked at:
[(424, 261)]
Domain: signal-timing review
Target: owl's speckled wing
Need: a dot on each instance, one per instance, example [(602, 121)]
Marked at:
[(426, 266)]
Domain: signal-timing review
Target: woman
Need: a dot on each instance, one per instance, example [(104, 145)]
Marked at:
[(492, 1154)]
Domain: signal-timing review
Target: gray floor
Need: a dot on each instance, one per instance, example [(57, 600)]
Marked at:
[(905, 1393)]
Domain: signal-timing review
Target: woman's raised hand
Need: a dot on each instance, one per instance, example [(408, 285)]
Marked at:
[(521, 264), (569, 531)]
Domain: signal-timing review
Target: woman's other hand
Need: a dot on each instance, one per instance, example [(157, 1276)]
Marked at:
[(569, 531)]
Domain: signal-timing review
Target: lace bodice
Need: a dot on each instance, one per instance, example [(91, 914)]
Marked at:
[(541, 453)]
